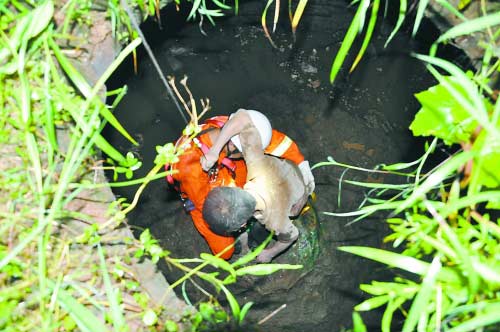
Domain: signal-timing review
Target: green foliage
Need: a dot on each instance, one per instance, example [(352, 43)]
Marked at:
[(55, 274), (150, 246), (443, 116), (442, 220)]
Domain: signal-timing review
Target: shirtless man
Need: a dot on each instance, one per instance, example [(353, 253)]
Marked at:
[(274, 190)]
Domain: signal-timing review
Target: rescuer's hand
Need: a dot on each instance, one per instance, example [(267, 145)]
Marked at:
[(308, 176), (208, 160)]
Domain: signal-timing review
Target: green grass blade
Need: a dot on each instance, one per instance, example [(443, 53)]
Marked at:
[(403, 5), (372, 303), (253, 254), (50, 129), (402, 262), (377, 185), (194, 9), (85, 88), (349, 37), (400, 166), (451, 9), (235, 307), (218, 263), (357, 322), (245, 310), (471, 26), (77, 79), (120, 184), (488, 317), (112, 294), (366, 209), (102, 80), (392, 306), (82, 316), (435, 179), (298, 14), (42, 16), (264, 24), (221, 5), (265, 269), (421, 301), (368, 35), (422, 5), (486, 196)]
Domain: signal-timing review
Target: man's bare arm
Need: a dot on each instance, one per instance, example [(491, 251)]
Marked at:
[(233, 126)]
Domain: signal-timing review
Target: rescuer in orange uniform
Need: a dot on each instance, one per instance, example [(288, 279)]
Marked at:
[(194, 184)]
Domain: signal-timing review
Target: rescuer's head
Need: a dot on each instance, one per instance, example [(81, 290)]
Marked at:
[(227, 209)]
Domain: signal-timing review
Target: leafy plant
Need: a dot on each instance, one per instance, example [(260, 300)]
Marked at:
[(444, 215)]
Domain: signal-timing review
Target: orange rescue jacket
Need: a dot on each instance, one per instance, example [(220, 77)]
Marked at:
[(194, 183)]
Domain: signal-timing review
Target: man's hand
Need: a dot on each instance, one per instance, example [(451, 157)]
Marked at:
[(308, 176), (208, 160)]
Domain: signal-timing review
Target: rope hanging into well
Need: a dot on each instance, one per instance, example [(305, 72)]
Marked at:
[(152, 56)]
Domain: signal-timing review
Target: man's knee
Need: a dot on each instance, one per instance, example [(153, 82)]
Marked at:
[(290, 236)]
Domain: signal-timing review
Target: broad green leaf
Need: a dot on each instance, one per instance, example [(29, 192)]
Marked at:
[(149, 318), (265, 269), (493, 205), (442, 115), (403, 262), (472, 100)]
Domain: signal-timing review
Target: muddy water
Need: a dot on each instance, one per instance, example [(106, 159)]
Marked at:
[(362, 120)]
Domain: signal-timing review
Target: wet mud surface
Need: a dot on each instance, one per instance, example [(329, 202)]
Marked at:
[(362, 120)]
